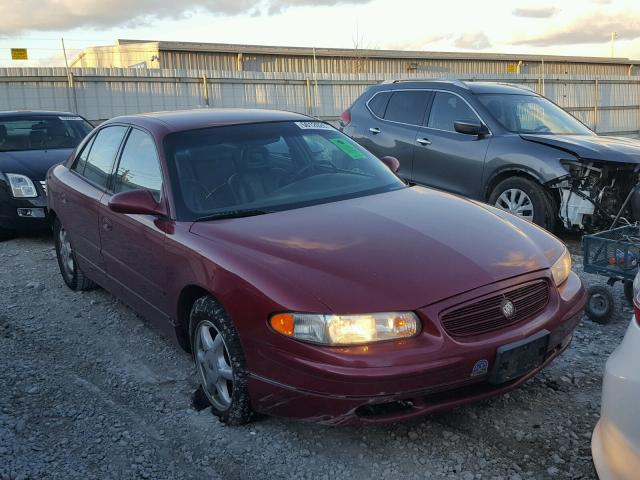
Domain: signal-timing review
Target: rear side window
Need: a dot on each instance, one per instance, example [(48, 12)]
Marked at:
[(139, 165), (81, 162), (378, 103), (448, 109), (102, 155), (407, 106)]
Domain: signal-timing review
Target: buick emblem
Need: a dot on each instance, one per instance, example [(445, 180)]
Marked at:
[(508, 309)]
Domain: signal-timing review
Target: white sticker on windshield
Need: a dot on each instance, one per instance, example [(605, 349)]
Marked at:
[(314, 126), (70, 118)]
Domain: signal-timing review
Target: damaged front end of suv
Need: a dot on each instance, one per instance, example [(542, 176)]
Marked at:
[(594, 194), (602, 180)]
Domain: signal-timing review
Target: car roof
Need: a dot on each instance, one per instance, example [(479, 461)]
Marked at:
[(181, 120), (459, 85), (31, 113), (501, 88)]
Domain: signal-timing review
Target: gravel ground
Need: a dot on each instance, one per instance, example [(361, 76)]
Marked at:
[(88, 390)]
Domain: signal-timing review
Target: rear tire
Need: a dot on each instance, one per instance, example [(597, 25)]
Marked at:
[(71, 273), (600, 304), (220, 362), (537, 204)]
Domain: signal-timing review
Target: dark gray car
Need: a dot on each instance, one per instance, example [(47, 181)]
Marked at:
[(503, 145)]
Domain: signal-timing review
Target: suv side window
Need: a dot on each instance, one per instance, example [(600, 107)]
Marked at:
[(139, 165), (378, 103), (407, 106), (448, 108), (102, 155)]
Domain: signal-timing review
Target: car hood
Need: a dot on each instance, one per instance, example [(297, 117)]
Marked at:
[(394, 251), (32, 163), (593, 147)]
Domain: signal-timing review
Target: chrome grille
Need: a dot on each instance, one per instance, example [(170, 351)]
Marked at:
[(485, 315), (43, 184)]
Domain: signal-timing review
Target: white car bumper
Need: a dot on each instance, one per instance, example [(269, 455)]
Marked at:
[(615, 445)]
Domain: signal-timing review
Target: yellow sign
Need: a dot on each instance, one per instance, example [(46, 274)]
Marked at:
[(512, 68), (19, 54)]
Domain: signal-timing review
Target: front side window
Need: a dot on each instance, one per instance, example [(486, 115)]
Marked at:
[(247, 167), (42, 132), (447, 109), (531, 114), (139, 165), (407, 106), (102, 155)]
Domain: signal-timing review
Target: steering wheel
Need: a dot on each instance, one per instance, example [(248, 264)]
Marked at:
[(304, 169), (198, 194)]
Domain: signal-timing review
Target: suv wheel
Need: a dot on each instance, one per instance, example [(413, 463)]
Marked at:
[(526, 199), (69, 268)]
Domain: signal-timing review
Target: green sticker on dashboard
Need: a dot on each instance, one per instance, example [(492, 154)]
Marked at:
[(348, 148)]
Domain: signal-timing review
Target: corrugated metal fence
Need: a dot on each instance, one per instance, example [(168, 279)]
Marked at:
[(609, 105)]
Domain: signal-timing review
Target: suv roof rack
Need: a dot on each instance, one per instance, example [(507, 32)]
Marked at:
[(458, 83)]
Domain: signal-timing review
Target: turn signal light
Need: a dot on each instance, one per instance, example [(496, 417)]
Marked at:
[(283, 323)]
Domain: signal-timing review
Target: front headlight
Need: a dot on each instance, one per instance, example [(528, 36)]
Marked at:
[(340, 330), (21, 186), (562, 268)]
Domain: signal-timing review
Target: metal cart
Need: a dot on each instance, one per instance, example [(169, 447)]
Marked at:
[(615, 254)]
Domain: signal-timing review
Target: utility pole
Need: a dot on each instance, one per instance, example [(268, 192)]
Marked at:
[(73, 102), (614, 35)]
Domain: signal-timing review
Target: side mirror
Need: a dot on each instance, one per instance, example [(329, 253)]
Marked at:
[(471, 128), (392, 163), (139, 202)]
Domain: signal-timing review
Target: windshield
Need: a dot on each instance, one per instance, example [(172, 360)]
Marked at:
[(42, 132), (532, 114), (259, 168)]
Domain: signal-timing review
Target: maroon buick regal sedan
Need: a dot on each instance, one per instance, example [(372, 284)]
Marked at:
[(306, 279)]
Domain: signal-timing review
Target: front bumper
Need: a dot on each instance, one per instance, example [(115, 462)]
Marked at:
[(404, 379), (23, 213), (615, 445)]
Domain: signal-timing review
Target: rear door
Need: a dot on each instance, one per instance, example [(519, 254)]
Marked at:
[(78, 203), (444, 158), (133, 245), (394, 119)]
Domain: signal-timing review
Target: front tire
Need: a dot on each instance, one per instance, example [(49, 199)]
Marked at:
[(525, 198), (71, 273), (220, 362), (6, 234)]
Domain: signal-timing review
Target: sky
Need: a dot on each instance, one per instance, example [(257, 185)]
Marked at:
[(570, 27)]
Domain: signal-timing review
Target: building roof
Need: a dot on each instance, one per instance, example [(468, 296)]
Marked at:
[(369, 53)]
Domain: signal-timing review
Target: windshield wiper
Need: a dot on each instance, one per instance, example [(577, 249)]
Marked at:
[(233, 214)]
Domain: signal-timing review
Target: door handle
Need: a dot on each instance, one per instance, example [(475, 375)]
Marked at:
[(374, 130), (106, 225), (424, 141)]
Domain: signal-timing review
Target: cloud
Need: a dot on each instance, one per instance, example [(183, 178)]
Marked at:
[(28, 15), (593, 28), (472, 41), (535, 12)]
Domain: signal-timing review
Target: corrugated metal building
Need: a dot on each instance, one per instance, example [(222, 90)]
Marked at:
[(255, 58)]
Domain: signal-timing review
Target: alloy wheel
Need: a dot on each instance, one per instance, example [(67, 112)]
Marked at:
[(517, 202), (66, 252), (214, 365)]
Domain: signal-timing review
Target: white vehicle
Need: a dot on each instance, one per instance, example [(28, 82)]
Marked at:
[(615, 445)]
